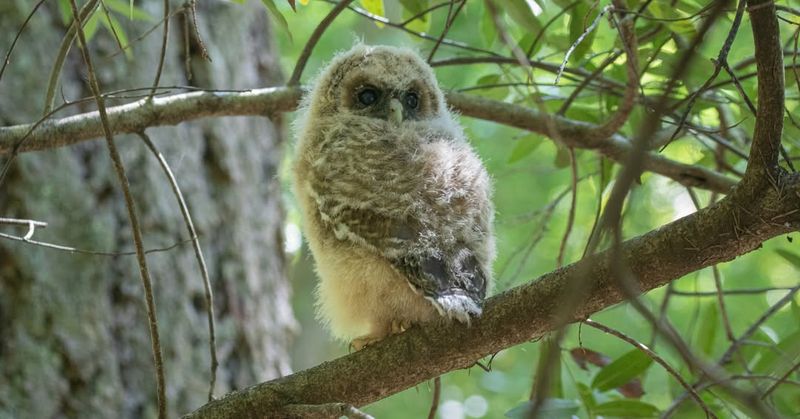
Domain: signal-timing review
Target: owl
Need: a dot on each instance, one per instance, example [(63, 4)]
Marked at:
[(396, 205)]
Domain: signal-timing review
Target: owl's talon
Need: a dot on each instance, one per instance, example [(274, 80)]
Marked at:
[(360, 343), (400, 326)]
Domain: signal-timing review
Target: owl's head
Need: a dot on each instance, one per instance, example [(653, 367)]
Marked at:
[(387, 83)]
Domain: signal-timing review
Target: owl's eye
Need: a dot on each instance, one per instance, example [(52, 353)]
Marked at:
[(412, 100), (368, 95)]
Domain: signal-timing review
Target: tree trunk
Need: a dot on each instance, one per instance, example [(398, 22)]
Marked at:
[(74, 340)]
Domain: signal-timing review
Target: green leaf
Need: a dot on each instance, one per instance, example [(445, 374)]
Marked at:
[(707, 329), (65, 11), (278, 16), (587, 397), (491, 91), (487, 29), (674, 19), (375, 7), (521, 13), (781, 356), (91, 25), (622, 370), (523, 148), (113, 26), (607, 167), (129, 10), (626, 409), (791, 257), (551, 409), (556, 385), (562, 157), (413, 8)]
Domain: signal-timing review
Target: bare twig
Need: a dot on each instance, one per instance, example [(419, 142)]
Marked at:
[(70, 249), (130, 205), (451, 17), (198, 252), (437, 390), (61, 55), (17, 221), (7, 59), (163, 52), (572, 206), (578, 41)]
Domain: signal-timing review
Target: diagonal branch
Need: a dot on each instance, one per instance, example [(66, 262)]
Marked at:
[(520, 314)]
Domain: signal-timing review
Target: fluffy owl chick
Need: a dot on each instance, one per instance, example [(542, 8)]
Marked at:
[(396, 204)]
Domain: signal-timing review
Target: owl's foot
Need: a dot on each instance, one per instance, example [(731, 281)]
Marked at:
[(397, 326), (400, 326), (362, 342)]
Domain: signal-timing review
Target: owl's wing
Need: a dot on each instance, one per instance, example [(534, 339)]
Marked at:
[(449, 275)]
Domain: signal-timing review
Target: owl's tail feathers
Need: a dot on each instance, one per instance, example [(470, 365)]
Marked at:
[(457, 306)]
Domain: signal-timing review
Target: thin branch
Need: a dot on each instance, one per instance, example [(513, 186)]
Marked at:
[(17, 221), (402, 26), (740, 292), (629, 45), (70, 249), (61, 55), (781, 380), (577, 42), (163, 53), (437, 390), (294, 80), (720, 63), (451, 17), (735, 345), (198, 252), (7, 59), (130, 205), (572, 207), (655, 357)]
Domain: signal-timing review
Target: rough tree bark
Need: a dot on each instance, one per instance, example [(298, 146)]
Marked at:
[(73, 331)]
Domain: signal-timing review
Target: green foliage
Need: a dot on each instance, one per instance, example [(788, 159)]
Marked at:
[(622, 370), (532, 192)]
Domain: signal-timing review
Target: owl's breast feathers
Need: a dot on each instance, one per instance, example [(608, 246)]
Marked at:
[(421, 203)]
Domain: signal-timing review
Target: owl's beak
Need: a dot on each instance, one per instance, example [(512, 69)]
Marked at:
[(395, 111)]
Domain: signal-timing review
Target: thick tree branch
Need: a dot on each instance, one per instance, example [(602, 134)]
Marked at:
[(713, 235), (171, 110)]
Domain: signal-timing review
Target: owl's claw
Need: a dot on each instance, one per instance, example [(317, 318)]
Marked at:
[(362, 342), (400, 326), (397, 326)]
